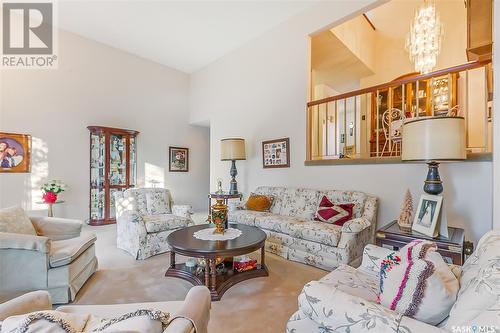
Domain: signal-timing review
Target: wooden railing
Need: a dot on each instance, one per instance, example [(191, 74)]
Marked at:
[(375, 111)]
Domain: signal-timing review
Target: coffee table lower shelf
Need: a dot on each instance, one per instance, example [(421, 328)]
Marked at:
[(223, 281)]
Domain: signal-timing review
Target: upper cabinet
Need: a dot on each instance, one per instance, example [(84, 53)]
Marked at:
[(479, 28)]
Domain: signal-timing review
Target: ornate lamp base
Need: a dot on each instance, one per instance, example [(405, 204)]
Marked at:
[(433, 184)]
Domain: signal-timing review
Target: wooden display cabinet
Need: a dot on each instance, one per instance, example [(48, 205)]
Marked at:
[(427, 97), (113, 167)]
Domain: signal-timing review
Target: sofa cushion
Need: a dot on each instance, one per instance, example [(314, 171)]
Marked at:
[(301, 203), (323, 233), (279, 223), (63, 252), (417, 283), (259, 202), (15, 220), (244, 216), (337, 214), (276, 192), (157, 223), (357, 198)]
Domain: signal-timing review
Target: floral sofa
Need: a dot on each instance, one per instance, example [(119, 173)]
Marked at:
[(293, 234), (145, 217), (350, 303)]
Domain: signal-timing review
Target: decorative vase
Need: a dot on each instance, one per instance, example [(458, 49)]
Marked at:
[(219, 216), (49, 197)]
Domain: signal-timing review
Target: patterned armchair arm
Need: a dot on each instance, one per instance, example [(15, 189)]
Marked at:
[(182, 210), (341, 312)]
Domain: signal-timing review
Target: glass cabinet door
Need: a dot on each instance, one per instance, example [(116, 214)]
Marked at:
[(97, 160), (97, 203), (133, 162), (117, 160)]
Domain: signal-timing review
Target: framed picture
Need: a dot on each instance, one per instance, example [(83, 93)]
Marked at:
[(15, 150), (178, 160), (276, 153), (427, 215)]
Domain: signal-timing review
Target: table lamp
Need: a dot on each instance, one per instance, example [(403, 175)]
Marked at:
[(431, 140), (232, 149)]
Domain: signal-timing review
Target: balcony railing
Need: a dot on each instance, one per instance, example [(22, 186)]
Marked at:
[(366, 124)]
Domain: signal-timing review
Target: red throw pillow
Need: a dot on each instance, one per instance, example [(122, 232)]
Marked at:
[(337, 214)]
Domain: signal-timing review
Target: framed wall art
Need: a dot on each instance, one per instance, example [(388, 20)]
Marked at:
[(178, 160), (15, 150), (276, 153), (427, 215)]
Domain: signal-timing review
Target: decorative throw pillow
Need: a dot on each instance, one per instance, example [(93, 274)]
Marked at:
[(158, 202), (259, 202), (337, 214), (417, 283), (15, 220)]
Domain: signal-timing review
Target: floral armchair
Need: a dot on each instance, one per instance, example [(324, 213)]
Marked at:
[(345, 299), (145, 217)]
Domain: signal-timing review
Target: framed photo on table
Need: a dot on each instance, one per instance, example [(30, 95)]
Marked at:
[(276, 153), (178, 160), (427, 215), (15, 151)]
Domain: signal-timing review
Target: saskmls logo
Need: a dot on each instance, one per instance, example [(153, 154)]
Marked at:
[(28, 35)]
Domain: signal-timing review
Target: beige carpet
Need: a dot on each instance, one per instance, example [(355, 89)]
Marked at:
[(257, 305)]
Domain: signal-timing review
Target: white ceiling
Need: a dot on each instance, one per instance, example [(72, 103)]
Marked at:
[(185, 35)]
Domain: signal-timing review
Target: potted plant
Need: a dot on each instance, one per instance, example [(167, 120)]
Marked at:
[(51, 189)]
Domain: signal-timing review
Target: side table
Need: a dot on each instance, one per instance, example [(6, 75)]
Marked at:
[(225, 196), (50, 212), (451, 248)]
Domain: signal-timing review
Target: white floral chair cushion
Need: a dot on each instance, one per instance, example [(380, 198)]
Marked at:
[(247, 217), (158, 202)]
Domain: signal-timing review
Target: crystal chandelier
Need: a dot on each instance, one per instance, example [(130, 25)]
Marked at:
[(424, 39)]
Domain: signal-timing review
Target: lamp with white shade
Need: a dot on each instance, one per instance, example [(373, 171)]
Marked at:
[(432, 140), (233, 149)]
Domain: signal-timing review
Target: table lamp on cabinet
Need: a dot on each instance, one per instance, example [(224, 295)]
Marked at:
[(433, 140)]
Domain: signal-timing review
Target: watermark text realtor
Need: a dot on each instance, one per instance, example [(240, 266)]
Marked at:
[(28, 35)]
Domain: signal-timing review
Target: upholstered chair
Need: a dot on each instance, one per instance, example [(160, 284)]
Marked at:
[(145, 217), (44, 253)]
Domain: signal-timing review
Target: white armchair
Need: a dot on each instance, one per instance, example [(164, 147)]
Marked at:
[(345, 299), (145, 217), (57, 259)]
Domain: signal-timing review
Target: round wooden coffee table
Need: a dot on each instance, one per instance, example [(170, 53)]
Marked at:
[(183, 242)]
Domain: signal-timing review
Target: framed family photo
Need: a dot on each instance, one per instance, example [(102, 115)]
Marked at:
[(276, 153), (178, 159), (427, 215), (15, 150)]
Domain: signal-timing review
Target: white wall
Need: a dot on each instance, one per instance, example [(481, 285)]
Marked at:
[(99, 85), (259, 92)]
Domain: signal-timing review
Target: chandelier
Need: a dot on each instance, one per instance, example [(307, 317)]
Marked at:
[(424, 39)]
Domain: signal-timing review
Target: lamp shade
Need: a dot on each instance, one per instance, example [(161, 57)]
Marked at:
[(434, 139), (232, 149)]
